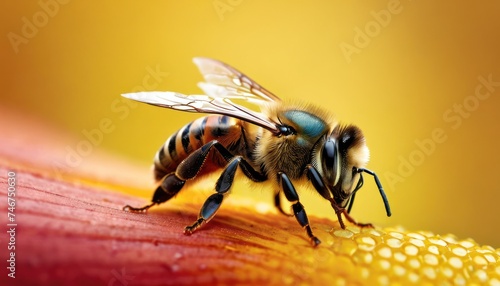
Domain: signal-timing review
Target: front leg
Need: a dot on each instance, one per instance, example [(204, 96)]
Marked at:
[(298, 209), (320, 187)]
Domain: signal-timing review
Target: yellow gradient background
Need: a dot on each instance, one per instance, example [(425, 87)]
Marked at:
[(394, 68)]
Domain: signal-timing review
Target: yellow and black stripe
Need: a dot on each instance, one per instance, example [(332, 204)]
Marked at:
[(191, 137)]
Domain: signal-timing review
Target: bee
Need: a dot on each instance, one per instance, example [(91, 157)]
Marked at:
[(284, 144)]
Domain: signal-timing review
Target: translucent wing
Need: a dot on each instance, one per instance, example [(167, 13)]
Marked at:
[(223, 80), (203, 104)]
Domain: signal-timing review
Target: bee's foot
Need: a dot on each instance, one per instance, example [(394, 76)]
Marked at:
[(188, 230), (131, 209), (369, 225), (315, 241), (353, 221)]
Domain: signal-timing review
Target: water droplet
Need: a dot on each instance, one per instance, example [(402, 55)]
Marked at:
[(175, 267)]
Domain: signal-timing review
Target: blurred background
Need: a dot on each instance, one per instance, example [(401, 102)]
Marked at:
[(422, 80)]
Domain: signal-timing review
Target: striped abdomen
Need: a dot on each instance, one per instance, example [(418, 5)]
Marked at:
[(227, 130)]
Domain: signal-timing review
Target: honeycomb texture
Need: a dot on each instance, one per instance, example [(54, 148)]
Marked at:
[(395, 257)]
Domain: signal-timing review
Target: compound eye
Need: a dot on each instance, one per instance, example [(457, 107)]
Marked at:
[(331, 164)]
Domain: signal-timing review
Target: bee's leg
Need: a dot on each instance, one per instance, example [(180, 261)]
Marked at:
[(129, 208), (172, 183), (277, 204), (298, 210), (339, 211), (353, 221), (318, 184), (222, 187)]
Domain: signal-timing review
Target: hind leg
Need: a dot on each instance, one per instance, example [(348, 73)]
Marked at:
[(172, 183)]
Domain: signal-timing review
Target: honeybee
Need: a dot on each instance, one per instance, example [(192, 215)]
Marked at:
[(285, 144)]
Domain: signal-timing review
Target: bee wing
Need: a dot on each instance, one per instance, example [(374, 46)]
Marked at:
[(203, 104), (223, 80)]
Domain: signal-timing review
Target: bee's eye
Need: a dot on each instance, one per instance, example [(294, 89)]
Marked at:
[(329, 153), (331, 159)]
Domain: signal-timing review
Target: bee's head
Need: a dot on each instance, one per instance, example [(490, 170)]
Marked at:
[(341, 153)]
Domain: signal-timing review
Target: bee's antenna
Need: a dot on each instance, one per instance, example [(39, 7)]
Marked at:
[(353, 194), (380, 189), (351, 202)]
